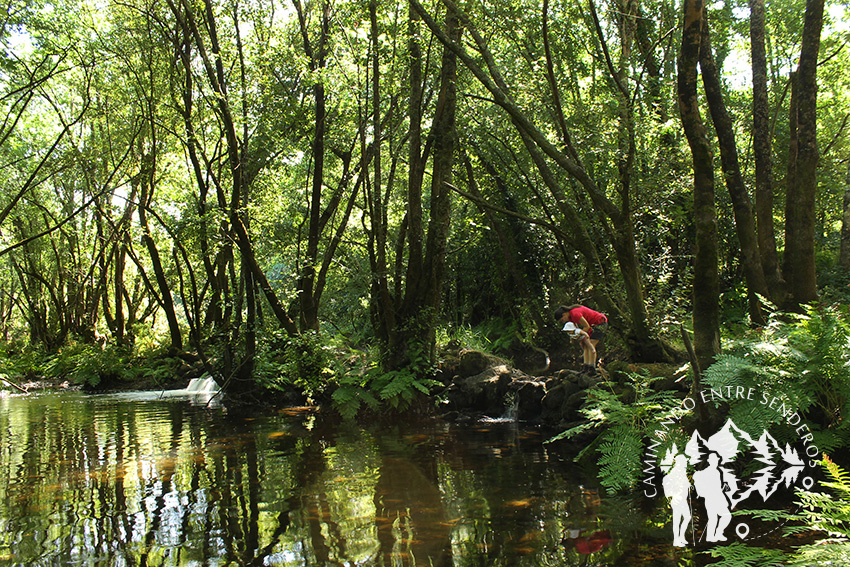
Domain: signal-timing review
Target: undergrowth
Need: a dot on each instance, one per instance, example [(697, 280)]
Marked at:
[(802, 361), (374, 387), (623, 428), (824, 512)]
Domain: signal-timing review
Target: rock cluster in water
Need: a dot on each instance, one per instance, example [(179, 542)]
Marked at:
[(479, 385)]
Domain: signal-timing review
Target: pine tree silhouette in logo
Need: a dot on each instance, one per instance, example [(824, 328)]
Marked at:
[(714, 482)]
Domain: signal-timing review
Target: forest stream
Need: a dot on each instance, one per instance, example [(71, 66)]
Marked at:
[(152, 478)]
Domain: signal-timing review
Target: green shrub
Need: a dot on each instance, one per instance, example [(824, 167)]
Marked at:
[(374, 386), (89, 365), (802, 361), (307, 361)]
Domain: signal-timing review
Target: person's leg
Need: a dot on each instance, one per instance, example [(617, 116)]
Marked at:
[(588, 356), (585, 346), (592, 349)]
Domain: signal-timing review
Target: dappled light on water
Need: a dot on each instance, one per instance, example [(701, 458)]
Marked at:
[(146, 480)]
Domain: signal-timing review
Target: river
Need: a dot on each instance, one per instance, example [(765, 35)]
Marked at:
[(143, 478)]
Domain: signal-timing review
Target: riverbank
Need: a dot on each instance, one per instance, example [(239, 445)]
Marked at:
[(467, 385)]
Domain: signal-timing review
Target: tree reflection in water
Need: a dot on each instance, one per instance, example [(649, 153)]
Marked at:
[(137, 480)]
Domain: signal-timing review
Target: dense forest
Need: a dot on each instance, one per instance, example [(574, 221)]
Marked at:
[(331, 190)]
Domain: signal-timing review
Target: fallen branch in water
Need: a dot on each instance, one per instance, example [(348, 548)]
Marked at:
[(12, 383)]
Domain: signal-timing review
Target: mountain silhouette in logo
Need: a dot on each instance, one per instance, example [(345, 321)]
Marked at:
[(779, 465)]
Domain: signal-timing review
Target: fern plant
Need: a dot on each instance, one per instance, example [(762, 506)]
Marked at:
[(624, 426), (738, 554), (801, 360), (824, 512), (394, 388), (828, 513)]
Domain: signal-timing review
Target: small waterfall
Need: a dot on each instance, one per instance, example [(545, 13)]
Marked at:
[(511, 407), (202, 386), (510, 413)]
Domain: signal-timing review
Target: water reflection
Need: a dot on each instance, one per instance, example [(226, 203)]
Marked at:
[(143, 480)]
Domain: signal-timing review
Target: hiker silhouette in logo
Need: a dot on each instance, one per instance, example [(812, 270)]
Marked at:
[(711, 487), (676, 487)]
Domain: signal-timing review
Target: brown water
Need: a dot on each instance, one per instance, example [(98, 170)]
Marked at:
[(136, 479)]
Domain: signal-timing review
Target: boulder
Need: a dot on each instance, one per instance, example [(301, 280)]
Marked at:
[(472, 363), (530, 394), (483, 392)]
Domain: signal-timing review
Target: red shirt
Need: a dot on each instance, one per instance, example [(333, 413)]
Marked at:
[(593, 317)]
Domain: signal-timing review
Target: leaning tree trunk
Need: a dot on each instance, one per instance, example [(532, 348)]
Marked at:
[(741, 204), (147, 176), (706, 315)]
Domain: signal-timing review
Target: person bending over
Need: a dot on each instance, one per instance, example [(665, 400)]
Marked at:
[(587, 326)]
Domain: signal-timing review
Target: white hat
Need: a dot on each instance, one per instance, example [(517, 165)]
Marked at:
[(570, 327)]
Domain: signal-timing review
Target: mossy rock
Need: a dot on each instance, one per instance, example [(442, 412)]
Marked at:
[(473, 362)]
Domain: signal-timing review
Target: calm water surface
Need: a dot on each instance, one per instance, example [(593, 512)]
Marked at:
[(141, 479)]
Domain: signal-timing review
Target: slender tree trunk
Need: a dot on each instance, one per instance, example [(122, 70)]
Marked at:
[(416, 169), (801, 249), (741, 204), (382, 300), (792, 211), (147, 176), (844, 256), (639, 335), (706, 315), (444, 139), (763, 156), (118, 256)]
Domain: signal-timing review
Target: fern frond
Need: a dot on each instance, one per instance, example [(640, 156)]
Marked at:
[(840, 477), (619, 459), (822, 553), (573, 431), (739, 555), (347, 400), (823, 511), (771, 516)]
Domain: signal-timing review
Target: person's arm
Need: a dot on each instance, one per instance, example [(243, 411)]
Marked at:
[(581, 336), (585, 326)]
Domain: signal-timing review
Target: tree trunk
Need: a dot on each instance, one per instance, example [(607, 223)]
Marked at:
[(741, 204), (639, 338), (706, 315), (414, 328), (493, 81), (844, 256), (800, 249), (444, 138), (147, 175), (309, 303), (762, 152), (382, 301), (792, 211)]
